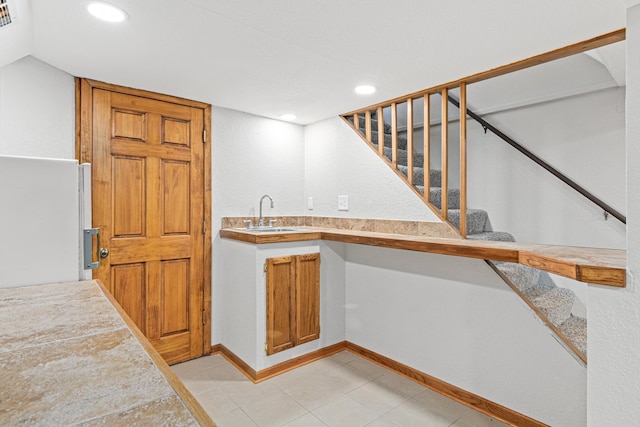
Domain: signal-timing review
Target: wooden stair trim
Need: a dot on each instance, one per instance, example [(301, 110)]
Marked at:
[(458, 394), (581, 264)]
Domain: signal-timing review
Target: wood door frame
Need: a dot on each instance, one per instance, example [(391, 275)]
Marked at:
[(84, 148)]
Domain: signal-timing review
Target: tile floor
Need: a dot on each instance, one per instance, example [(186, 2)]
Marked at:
[(339, 390)]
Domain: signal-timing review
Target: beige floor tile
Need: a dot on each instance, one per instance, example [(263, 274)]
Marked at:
[(274, 410), (414, 413), (225, 372), (312, 394), (215, 403), (370, 369), (246, 392), (476, 419), (343, 357), (339, 390), (380, 422), (441, 404), (199, 365), (307, 420), (235, 418), (402, 384), (345, 412), (377, 397)]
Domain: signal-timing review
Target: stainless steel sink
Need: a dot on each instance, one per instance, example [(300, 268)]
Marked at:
[(267, 229)]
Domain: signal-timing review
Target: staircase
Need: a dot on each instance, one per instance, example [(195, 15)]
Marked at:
[(551, 303)]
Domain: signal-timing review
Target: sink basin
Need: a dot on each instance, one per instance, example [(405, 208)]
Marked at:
[(267, 229)]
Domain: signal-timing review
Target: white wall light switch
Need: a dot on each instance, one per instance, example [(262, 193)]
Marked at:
[(343, 203), (310, 203)]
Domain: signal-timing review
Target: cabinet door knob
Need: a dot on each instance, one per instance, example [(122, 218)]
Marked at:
[(104, 252)]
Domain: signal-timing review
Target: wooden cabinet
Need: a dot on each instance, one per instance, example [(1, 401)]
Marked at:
[(293, 301)]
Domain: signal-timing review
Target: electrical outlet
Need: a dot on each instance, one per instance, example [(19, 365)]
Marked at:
[(310, 203), (343, 203)]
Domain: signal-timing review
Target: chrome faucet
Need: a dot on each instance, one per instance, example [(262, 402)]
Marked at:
[(261, 220)]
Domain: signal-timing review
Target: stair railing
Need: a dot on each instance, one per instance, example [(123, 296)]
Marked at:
[(362, 123), (608, 210), (353, 119)]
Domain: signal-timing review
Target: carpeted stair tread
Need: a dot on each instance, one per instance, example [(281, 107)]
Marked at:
[(524, 277), (418, 159), (453, 197), (435, 196), (418, 175), (574, 328), (556, 304), (476, 219), (494, 236)]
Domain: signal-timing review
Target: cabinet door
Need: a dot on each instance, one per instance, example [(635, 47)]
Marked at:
[(307, 298), (280, 300)]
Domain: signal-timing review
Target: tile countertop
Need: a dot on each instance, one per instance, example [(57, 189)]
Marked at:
[(69, 357)]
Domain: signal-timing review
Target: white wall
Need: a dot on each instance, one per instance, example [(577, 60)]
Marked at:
[(37, 110), (338, 162), (454, 319), (251, 156), (39, 221), (581, 136), (614, 317)]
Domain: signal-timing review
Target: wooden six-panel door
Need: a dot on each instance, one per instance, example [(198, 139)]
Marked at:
[(148, 201)]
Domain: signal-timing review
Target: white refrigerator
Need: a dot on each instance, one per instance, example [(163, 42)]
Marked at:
[(45, 206)]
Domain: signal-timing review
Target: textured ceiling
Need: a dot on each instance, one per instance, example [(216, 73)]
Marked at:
[(269, 57)]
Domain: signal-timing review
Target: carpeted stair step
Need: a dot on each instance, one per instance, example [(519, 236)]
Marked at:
[(575, 329), (556, 304), (402, 141), (418, 159), (494, 236), (418, 175), (523, 276), (435, 196), (453, 197), (477, 219)]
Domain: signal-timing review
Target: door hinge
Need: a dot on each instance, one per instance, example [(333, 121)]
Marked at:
[(204, 317), (265, 266), (204, 136), (265, 346)]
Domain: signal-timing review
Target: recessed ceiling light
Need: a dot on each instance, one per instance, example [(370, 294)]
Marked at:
[(365, 89), (288, 117), (107, 12)]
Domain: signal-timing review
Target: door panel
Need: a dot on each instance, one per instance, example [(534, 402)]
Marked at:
[(280, 300), (175, 297), (129, 290), (128, 196), (175, 203), (148, 201), (308, 297)]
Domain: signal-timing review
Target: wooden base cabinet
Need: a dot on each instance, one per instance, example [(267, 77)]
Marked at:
[(293, 301)]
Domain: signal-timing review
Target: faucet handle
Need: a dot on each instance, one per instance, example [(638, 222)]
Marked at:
[(271, 221), (249, 223)]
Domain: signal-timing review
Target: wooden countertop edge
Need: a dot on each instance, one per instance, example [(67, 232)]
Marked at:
[(185, 395), (509, 252)]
